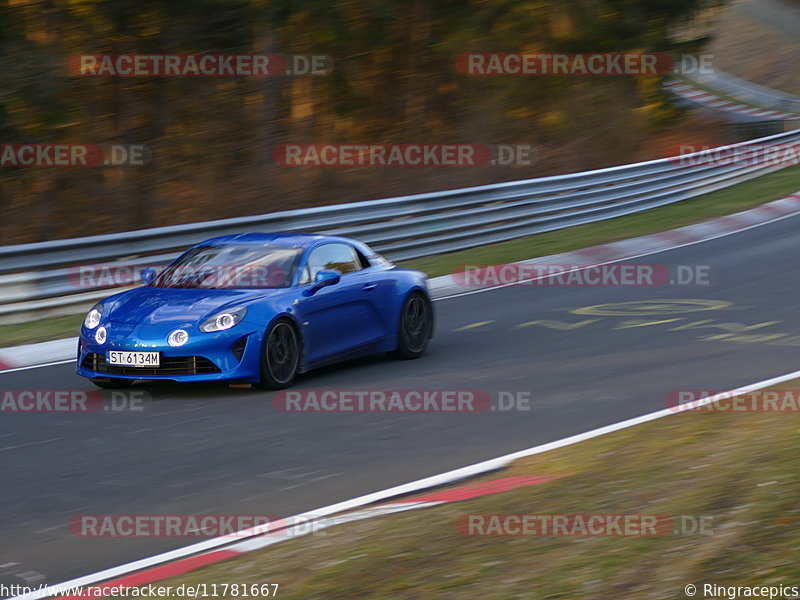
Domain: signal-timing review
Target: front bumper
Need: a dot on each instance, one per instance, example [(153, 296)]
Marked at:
[(232, 355)]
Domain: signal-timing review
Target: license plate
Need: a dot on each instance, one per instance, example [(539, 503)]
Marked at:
[(133, 359)]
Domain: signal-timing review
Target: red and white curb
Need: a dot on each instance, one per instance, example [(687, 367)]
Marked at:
[(190, 558), (28, 356), (709, 100)]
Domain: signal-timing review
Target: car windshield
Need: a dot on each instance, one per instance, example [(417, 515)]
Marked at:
[(231, 266)]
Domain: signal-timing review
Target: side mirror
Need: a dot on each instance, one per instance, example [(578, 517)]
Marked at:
[(148, 274), (323, 279)]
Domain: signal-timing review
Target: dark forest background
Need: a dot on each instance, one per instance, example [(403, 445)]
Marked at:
[(394, 81)]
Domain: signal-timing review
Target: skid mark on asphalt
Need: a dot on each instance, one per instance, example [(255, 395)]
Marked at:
[(646, 308), (168, 426), (296, 478), (30, 444), (474, 325), (634, 323), (18, 571), (554, 324), (734, 327), (657, 313)]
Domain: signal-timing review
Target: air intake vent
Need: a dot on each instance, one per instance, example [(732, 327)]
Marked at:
[(170, 365), (238, 348)]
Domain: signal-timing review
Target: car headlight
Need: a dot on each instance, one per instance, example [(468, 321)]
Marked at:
[(178, 338), (224, 320), (92, 320), (101, 335)]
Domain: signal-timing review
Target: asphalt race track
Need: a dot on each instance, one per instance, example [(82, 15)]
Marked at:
[(215, 450)]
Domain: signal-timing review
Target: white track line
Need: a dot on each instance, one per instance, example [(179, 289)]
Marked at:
[(406, 488)]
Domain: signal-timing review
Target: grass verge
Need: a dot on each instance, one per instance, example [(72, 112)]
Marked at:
[(736, 470), (723, 202), (40, 331)]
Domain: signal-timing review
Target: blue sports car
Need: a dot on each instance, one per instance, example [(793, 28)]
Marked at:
[(256, 308)]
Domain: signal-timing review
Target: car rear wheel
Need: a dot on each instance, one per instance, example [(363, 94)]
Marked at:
[(112, 384), (416, 326), (280, 356)]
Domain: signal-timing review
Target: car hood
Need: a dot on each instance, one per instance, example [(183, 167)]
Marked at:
[(152, 306)]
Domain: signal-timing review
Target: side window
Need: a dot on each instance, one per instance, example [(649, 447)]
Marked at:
[(332, 257)]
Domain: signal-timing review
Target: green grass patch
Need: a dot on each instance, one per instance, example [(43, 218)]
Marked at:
[(737, 471), (41, 330)]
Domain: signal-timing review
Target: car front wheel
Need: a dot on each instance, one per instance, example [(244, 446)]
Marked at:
[(280, 356), (416, 326)]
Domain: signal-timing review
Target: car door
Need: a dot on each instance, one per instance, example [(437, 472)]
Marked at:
[(379, 287), (339, 318)]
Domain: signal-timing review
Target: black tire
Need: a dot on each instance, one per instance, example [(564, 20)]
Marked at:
[(113, 384), (416, 326), (280, 356)]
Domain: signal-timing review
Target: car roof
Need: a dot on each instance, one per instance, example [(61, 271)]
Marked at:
[(292, 240)]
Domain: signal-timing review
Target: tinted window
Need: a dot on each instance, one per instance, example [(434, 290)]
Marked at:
[(231, 266), (332, 257)]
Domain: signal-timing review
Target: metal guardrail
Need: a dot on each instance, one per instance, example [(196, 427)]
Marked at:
[(746, 91), (44, 276)]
